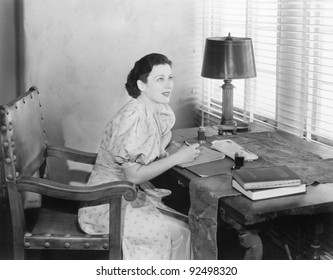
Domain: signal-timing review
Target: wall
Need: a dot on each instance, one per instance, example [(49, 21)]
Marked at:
[(79, 52), (8, 78)]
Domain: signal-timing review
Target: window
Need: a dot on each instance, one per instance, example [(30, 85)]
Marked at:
[(293, 47)]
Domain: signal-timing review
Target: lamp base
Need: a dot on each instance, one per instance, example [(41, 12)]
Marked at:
[(238, 126), (227, 128)]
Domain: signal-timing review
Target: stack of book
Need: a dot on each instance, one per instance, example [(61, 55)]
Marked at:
[(267, 182)]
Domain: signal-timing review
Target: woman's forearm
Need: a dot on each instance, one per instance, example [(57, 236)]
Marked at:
[(139, 173)]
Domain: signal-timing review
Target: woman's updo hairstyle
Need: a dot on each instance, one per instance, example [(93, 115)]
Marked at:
[(141, 71)]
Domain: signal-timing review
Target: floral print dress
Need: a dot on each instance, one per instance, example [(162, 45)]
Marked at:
[(132, 137)]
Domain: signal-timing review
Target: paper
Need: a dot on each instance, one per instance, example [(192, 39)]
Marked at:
[(206, 155), (230, 147)]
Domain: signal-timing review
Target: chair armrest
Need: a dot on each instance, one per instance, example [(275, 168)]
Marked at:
[(78, 193), (71, 154)]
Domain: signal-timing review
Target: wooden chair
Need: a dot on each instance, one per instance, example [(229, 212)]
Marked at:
[(25, 152)]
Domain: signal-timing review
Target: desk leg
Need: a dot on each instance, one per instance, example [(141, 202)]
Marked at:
[(252, 244), (249, 240), (317, 230)]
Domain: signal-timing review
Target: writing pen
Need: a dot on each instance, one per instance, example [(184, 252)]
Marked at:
[(187, 143)]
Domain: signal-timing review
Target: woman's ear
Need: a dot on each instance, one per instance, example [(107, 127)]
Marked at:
[(141, 85)]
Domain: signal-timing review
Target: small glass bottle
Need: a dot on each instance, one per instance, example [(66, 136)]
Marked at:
[(201, 135)]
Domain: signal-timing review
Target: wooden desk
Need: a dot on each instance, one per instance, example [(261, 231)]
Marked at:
[(248, 217), (317, 200)]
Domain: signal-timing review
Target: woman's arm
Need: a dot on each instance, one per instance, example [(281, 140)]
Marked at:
[(139, 173)]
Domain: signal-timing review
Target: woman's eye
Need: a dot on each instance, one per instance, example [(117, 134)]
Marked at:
[(170, 78), (161, 79)]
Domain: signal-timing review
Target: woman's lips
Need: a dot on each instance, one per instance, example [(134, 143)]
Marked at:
[(166, 94)]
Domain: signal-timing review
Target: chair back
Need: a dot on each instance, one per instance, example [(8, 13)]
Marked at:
[(23, 145), (24, 148)]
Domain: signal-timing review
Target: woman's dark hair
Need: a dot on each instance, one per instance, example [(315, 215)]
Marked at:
[(141, 70)]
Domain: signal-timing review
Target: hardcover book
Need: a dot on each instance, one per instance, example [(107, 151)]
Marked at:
[(266, 177), (269, 193)]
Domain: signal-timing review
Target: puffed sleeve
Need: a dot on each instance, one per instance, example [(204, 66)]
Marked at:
[(166, 118), (134, 139)]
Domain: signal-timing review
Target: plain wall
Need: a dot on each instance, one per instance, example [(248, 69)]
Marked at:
[(79, 52), (8, 74)]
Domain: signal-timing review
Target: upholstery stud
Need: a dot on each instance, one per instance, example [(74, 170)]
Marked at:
[(5, 144), (27, 244), (3, 128), (28, 234), (67, 245), (8, 160), (67, 235), (10, 177), (87, 245), (2, 112), (47, 234), (106, 246), (17, 174), (47, 244)]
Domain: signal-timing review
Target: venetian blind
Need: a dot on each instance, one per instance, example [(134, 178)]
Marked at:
[(293, 46)]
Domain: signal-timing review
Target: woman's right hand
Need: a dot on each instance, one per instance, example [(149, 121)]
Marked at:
[(187, 154)]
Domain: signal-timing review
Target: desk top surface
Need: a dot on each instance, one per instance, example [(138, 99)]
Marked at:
[(318, 199)]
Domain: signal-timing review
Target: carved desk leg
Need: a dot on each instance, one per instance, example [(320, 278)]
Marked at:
[(248, 239), (253, 245)]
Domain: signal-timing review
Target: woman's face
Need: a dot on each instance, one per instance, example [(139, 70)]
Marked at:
[(159, 84)]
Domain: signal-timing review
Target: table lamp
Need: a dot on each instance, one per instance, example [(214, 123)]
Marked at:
[(228, 58)]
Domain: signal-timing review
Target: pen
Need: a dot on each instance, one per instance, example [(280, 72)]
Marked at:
[(187, 143)]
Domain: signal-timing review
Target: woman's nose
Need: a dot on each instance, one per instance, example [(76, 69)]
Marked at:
[(169, 84)]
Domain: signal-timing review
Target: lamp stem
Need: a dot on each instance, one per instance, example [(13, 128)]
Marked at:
[(227, 122)]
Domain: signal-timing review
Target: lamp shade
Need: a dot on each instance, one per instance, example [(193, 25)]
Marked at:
[(228, 58)]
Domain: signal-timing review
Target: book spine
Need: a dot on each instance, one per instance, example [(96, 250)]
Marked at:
[(238, 179)]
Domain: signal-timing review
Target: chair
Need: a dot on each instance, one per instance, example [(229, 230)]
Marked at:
[(25, 153)]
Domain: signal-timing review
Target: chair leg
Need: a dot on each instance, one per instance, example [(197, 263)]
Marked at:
[(115, 229), (18, 249)]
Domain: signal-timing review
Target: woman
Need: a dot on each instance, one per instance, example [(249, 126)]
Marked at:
[(133, 148)]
